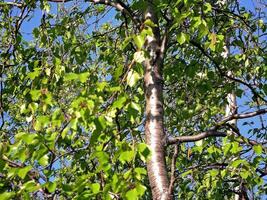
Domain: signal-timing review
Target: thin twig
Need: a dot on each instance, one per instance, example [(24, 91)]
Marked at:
[(173, 167)]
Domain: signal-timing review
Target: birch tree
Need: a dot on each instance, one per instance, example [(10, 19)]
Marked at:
[(105, 99)]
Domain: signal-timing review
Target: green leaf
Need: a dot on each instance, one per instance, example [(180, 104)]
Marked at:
[(28, 137), (247, 63), (6, 195), (139, 41), (120, 102), (213, 172), (23, 109), (236, 163), (182, 38), (35, 94), (30, 186), (46, 6), (199, 143), (95, 187), (41, 122), (43, 160), (132, 194), (83, 77), (102, 156), (223, 173), (226, 148), (51, 186), (213, 39), (257, 149), (126, 156), (244, 174), (34, 74), (208, 7), (35, 32), (100, 123), (143, 151), (135, 106), (235, 147), (22, 172), (29, 119), (140, 173), (132, 78), (126, 42), (65, 132), (70, 76), (149, 23), (140, 189)]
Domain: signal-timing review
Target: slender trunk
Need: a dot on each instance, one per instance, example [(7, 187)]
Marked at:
[(231, 109), (231, 106), (154, 128), (154, 131)]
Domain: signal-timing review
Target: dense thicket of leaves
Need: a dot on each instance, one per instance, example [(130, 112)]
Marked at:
[(72, 99)]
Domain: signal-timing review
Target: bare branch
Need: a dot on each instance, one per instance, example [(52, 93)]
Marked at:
[(119, 5), (207, 166), (19, 5), (11, 163), (213, 131), (193, 138), (241, 116), (59, 1)]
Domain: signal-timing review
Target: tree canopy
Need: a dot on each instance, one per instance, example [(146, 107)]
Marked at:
[(114, 99)]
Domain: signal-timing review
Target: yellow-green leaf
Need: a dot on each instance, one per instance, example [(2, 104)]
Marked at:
[(132, 78)]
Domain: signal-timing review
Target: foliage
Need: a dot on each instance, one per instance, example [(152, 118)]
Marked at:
[(72, 99)]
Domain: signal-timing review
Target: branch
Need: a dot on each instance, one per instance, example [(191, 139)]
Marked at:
[(59, 1), (240, 116), (193, 138), (243, 19), (213, 131), (173, 167), (11, 163), (244, 140), (119, 5), (217, 66), (19, 5), (263, 172), (207, 166), (253, 90)]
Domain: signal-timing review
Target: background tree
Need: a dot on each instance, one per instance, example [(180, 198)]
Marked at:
[(74, 90)]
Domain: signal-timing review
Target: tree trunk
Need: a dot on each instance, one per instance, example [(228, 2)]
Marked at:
[(154, 128), (231, 109), (154, 131), (231, 106)]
